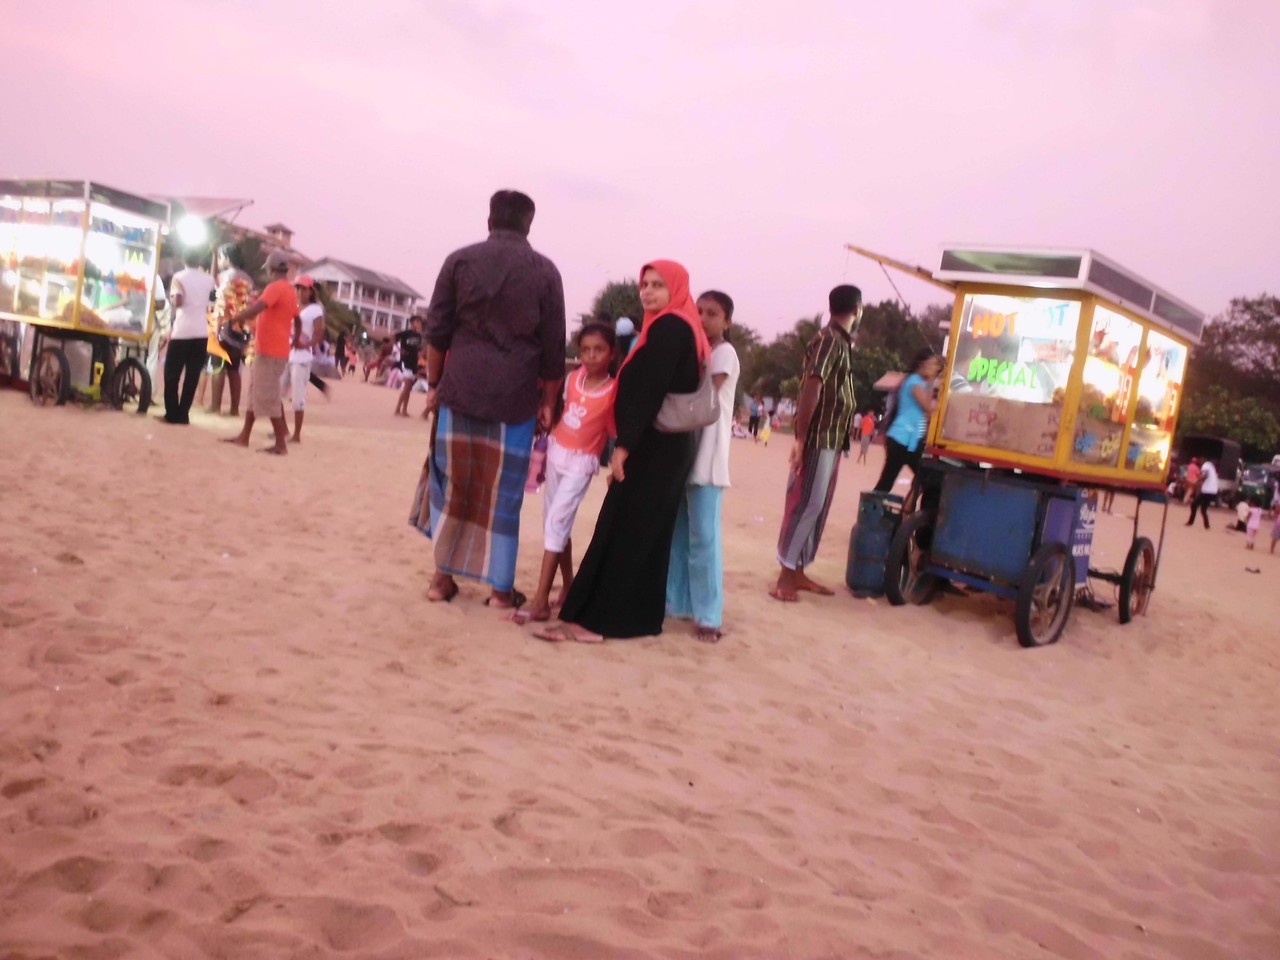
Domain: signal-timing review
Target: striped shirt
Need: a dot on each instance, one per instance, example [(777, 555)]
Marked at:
[(829, 358)]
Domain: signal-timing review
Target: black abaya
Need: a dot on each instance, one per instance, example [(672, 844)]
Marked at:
[(620, 590)]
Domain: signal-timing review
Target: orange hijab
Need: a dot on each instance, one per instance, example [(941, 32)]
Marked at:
[(681, 305)]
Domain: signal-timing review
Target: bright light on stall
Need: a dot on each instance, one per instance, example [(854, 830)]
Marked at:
[(192, 231), (10, 278)]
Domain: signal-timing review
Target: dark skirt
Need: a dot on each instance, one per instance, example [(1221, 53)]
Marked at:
[(620, 590)]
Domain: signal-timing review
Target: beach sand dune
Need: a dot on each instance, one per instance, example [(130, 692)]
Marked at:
[(231, 726)]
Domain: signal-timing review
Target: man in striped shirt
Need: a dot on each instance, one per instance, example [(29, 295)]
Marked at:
[(823, 418)]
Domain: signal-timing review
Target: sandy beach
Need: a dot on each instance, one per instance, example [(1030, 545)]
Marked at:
[(231, 726)]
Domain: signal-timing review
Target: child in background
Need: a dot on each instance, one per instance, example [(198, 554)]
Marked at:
[(573, 458), (1254, 524)]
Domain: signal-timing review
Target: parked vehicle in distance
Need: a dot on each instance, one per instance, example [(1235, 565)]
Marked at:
[(1258, 482), (1225, 455)]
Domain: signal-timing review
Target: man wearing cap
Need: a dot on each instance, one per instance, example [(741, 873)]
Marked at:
[(273, 314), (495, 364)]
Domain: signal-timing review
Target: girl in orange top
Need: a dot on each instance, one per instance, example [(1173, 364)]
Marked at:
[(573, 458)]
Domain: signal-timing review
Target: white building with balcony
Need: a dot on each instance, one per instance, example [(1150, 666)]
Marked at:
[(384, 303)]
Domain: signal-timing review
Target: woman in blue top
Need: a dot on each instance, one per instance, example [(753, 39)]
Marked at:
[(904, 440)]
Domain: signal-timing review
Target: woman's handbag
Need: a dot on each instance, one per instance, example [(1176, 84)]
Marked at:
[(686, 412)]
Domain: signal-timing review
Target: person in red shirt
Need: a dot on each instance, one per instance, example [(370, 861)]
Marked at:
[(273, 313), (866, 429)]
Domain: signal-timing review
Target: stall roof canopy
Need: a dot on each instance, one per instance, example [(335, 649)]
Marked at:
[(1072, 269), (209, 208), (85, 190)]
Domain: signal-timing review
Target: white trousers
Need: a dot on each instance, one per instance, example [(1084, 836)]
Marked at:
[(562, 496), (297, 377)]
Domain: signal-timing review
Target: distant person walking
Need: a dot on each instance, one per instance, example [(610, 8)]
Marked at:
[(755, 408), (1206, 491), (866, 430), (822, 424), (498, 313), (1193, 480), (340, 354), (272, 314), (191, 291), (410, 343)]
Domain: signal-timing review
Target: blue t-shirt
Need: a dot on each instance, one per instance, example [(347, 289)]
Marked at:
[(910, 422)]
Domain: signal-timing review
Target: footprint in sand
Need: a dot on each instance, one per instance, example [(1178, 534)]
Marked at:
[(16, 788), (206, 849), (63, 809), (242, 782), (74, 875), (642, 842), (402, 834), (422, 864)]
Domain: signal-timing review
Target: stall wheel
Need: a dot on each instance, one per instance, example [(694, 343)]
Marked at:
[(906, 579), (1044, 596), (129, 386), (50, 380), (1138, 579)]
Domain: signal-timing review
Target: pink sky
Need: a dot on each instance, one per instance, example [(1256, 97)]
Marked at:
[(747, 144)]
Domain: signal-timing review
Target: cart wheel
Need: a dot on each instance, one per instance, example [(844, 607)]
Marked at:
[(905, 579), (1044, 596), (50, 380), (1138, 579), (129, 386)]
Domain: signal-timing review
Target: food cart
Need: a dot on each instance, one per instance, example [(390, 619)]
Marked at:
[(1064, 374), (77, 278)]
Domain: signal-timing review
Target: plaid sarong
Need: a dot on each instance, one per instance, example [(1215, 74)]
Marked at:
[(804, 515), (470, 493)]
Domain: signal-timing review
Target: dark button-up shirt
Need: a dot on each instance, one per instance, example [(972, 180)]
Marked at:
[(829, 357), (498, 311)]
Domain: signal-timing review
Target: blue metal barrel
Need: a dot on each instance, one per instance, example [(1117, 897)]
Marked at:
[(878, 516)]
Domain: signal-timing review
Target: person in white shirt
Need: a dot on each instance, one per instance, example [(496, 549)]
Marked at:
[(308, 333), (695, 575), (1206, 492), (190, 293)]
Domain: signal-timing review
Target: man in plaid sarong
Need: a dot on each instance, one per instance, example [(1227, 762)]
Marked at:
[(495, 363)]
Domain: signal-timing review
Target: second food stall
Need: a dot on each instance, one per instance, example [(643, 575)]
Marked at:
[(77, 281)]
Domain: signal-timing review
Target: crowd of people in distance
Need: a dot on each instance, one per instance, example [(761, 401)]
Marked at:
[(217, 327)]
